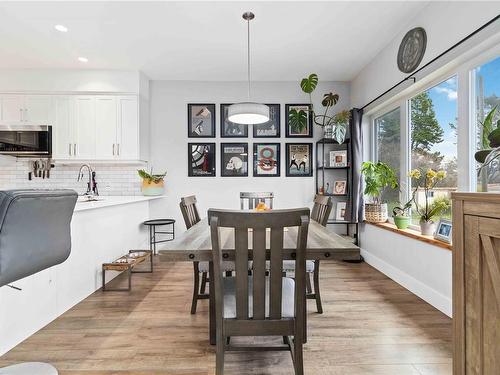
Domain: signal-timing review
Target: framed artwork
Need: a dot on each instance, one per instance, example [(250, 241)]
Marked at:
[(201, 120), (299, 159), (234, 159), (266, 160), (299, 122), (340, 211), (444, 230), (338, 158), (270, 129), (201, 159), (340, 187), (229, 129)]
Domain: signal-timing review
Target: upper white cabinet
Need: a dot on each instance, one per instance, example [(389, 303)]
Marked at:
[(25, 109), (128, 128), (106, 127)]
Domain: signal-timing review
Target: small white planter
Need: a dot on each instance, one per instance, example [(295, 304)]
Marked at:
[(427, 228)]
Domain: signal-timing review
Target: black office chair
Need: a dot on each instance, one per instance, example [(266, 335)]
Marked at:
[(34, 235)]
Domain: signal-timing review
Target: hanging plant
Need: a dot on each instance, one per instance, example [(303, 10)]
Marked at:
[(338, 122)]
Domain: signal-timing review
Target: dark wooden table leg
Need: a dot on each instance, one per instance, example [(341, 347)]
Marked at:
[(211, 304)]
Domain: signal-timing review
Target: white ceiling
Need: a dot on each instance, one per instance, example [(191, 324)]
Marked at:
[(202, 40)]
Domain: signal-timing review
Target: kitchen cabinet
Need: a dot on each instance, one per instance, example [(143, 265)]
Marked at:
[(25, 109), (106, 127), (128, 129), (63, 132), (476, 283), (84, 142)]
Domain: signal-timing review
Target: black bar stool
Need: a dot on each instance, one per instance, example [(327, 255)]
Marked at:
[(152, 224)]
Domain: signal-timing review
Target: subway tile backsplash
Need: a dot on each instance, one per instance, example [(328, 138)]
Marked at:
[(112, 179)]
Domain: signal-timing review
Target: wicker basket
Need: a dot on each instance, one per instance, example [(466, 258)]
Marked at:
[(376, 213)]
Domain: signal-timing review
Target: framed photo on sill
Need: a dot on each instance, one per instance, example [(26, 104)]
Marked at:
[(201, 159), (229, 129), (234, 159), (266, 160), (295, 128), (444, 230), (272, 128), (299, 160), (201, 120), (338, 159), (339, 187), (340, 211)]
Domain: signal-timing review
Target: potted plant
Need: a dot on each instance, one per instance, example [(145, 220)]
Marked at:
[(489, 154), (152, 184), (432, 207), (401, 215), (378, 176), (334, 125)]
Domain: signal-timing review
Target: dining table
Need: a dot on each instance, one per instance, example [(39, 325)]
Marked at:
[(195, 245)]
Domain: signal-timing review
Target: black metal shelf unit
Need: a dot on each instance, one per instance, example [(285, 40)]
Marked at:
[(327, 174)]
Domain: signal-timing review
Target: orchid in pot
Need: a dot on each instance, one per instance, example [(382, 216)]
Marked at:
[(432, 207)]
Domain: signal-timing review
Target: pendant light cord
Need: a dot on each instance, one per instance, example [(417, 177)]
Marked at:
[(248, 57)]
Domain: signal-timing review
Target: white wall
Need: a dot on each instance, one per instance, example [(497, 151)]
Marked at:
[(421, 268), (169, 141), (445, 22)]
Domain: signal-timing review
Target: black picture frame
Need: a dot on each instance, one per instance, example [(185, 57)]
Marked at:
[(197, 118), (309, 130), (229, 165), (229, 129), (259, 160), (196, 155), (304, 150), (274, 120)]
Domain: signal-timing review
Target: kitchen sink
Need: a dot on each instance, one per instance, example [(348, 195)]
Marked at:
[(88, 198)]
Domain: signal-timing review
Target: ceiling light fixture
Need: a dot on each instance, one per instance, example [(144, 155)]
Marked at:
[(83, 59), (248, 113), (61, 28)]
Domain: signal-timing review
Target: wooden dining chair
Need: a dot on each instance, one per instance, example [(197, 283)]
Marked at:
[(260, 305), (191, 217), (320, 213), (252, 199)]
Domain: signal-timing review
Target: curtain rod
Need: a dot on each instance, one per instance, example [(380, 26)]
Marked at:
[(433, 60)]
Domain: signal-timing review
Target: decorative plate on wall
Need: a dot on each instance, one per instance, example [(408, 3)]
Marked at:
[(412, 50)]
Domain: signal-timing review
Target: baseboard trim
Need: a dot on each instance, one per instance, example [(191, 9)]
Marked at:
[(429, 295)]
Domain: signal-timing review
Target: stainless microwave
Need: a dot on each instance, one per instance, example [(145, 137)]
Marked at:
[(26, 140)]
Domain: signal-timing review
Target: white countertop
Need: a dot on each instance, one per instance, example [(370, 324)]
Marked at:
[(110, 200)]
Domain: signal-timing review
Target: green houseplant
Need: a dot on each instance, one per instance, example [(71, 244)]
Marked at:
[(401, 214), (378, 177), (489, 154), (152, 184), (334, 125), (431, 207)]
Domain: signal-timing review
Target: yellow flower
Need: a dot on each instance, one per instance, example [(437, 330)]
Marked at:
[(441, 174), (415, 173), (431, 173)]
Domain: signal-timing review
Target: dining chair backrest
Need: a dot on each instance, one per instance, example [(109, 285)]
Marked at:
[(254, 198), (260, 233), (322, 208), (189, 211)]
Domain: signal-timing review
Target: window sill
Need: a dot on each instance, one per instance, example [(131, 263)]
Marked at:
[(412, 234)]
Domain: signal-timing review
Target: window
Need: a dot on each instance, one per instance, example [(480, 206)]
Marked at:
[(487, 82), (388, 140), (433, 138)]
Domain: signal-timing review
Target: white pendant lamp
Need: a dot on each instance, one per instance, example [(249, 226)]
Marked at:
[(248, 113)]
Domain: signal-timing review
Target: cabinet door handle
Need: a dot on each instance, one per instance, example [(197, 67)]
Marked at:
[(69, 149), (21, 114), (118, 149), (25, 114), (113, 149), (74, 149)]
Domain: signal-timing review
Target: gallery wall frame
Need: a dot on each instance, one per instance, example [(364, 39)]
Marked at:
[(234, 159), (298, 158), (201, 159), (266, 159), (201, 120)]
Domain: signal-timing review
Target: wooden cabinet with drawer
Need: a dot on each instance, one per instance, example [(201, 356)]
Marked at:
[(476, 283)]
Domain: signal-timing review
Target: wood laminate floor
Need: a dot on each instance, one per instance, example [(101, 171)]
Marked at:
[(370, 325)]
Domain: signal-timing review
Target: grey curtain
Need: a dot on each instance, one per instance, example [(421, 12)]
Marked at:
[(357, 159)]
